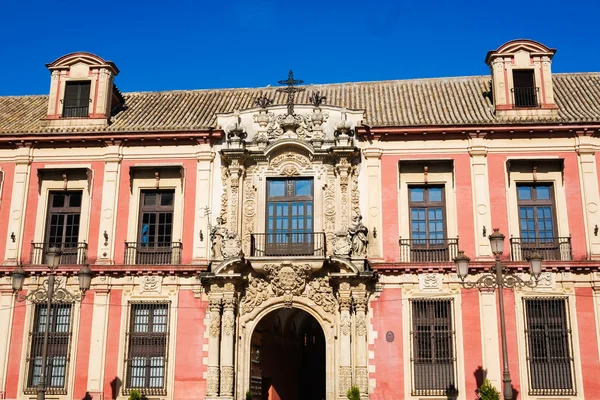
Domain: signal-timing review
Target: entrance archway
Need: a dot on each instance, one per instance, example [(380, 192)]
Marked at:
[(287, 357)]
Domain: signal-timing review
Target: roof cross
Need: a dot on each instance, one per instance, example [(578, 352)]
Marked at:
[(291, 90)]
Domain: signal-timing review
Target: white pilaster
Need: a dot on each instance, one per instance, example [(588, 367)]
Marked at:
[(489, 337), (110, 194), (18, 205), (6, 312), (591, 197), (481, 199), (373, 195), (203, 200), (98, 341)]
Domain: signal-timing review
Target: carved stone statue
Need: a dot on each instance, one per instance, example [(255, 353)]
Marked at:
[(232, 245), (217, 234), (358, 233)]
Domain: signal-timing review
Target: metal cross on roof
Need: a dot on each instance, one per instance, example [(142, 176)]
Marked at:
[(291, 90)]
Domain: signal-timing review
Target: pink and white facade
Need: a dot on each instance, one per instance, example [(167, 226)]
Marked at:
[(241, 243)]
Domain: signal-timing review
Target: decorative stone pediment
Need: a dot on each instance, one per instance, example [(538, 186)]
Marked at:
[(321, 126)]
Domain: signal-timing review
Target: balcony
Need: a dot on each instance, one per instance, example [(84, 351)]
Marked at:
[(307, 244), (525, 97), (76, 111), (551, 249), (70, 253), (140, 253), (428, 250)]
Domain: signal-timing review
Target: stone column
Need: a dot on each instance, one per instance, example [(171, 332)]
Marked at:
[(236, 171), (345, 375), (214, 332), (343, 170), (100, 312), (361, 374), (227, 345)]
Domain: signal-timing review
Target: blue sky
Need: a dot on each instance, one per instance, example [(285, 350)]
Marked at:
[(165, 45)]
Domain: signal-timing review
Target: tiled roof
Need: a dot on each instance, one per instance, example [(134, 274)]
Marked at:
[(460, 101)]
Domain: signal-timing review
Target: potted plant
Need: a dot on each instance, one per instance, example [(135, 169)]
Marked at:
[(353, 393), (487, 391), (135, 395), (249, 395)]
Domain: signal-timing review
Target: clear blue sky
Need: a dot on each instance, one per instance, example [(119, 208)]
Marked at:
[(165, 45)]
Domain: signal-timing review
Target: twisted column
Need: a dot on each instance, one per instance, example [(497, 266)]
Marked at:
[(361, 373), (214, 330), (345, 375)]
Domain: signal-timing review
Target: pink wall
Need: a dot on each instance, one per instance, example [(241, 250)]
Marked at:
[(17, 336), (389, 361), (83, 346), (511, 341), (588, 344), (112, 344), (189, 367), (390, 178), (471, 334)]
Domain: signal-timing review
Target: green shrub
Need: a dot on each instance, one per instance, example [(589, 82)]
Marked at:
[(353, 393), (248, 395), (487, 391), (135, 395)]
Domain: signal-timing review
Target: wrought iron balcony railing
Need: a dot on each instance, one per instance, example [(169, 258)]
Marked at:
[(526, 97), (288, 244), (554, 248), (70, 253), (141, 253), (76, 111), (428, 250)]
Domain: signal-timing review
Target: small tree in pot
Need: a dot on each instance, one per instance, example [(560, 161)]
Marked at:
[(353, 393), (487, 391)]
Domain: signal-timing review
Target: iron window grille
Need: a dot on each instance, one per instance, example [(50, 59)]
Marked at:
[(549, 348), (59, 342), (146, 354), (433, 352)]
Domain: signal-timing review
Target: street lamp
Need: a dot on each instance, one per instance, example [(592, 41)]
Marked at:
[(499, 278), (50, 294)]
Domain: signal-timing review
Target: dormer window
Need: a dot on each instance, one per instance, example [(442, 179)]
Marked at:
[(525, 93), (77, 99), (522, 84), (82, 91)]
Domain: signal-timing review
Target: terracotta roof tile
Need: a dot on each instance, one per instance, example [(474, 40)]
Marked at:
[(457, 101)]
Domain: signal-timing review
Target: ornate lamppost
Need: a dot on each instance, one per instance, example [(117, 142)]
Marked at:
[(50, 294), (499, 278)]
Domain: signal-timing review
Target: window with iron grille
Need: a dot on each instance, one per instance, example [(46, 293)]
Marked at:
[(77, 99), (59, 338), (433, 359), (549, 351), (147, 340)]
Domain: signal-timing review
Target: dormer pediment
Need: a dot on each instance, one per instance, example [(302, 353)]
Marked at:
[(82, 90), (522, 79)]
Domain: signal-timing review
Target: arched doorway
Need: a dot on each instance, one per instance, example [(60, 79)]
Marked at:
[(288, 357)]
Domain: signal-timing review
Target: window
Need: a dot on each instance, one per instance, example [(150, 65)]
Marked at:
[(59, 334), (62, 229), (289, 217), (147, 338), (155, 233), (524, 90), (549, 352), (432, 346), (537, 221), (428, 241), (77, 99)]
